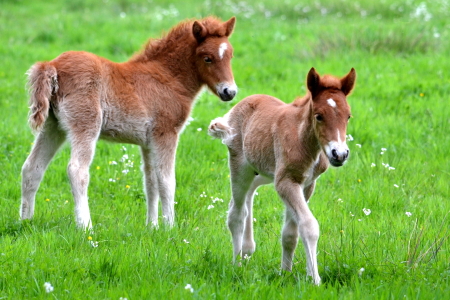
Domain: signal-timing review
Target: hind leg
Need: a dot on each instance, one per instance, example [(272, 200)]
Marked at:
[(84, 127), (242, 177), (78, 171), (45, 146), (248, 245)]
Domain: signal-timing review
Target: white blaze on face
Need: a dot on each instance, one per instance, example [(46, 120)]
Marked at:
[(331, 102), (222, 49)]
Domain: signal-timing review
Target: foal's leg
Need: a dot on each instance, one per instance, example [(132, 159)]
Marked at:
[(241, 179), (166, 147), (248, 245), (83, 149), (151, 186), (45, 146), (84, 127), (299, 219)]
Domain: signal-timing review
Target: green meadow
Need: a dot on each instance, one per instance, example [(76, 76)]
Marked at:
[(384, 216)]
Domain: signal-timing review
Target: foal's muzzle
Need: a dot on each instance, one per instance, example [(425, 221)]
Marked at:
[(338, 157), (226, 91)]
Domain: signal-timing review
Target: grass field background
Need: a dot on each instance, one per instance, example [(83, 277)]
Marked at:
[(384, 216)]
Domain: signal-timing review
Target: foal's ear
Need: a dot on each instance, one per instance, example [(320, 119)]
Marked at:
[(199, 31), (312, 81), (229, 26), (348, 82)]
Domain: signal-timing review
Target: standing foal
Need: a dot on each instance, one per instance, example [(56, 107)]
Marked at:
[(145, 101), (290, 145)]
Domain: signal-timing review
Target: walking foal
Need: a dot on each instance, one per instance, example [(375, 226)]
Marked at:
[(290, 145), (145, 101)]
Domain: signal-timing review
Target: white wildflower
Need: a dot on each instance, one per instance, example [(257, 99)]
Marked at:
[(349, 137), (210, 206), (186, 241), (408, 214), (199, 129), (366, 211), (360, 271), (358, 145), (48, 287), (189, 288), (373, 165), (396, 185)]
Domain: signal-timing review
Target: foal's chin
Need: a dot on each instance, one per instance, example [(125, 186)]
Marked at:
[(336, 163)]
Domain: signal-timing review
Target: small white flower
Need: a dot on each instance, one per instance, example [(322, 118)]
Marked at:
[(247, 257), (186, 241), (210, 206), (340, 200), (352, 214), (125, 171), (396, 185), (93, 244), (358, 145), (48, 287), (349, 137), (199, 129), (383, 149), (254, 220), (113, 162), (366, 211), (373, 165), (360, 271), (391, 168), (408, 214), (112, 180), (189, 288)]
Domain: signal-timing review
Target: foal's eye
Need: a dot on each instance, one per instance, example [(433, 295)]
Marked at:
[(207, 59), (349, 117), (319, 117)]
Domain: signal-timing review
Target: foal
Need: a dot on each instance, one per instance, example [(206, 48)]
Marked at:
[(145, 101), (290, 145)]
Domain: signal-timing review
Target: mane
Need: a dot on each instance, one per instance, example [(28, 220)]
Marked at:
[(180, 36)]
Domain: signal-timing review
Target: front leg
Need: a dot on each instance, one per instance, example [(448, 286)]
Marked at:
[(299, 221), (165, 152), (151, 186)]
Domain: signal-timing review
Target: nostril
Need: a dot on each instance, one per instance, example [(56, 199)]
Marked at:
[(346, 154), (334, 154), (226, 91)]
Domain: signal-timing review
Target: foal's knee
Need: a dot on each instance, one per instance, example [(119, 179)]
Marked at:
[(289, 238)]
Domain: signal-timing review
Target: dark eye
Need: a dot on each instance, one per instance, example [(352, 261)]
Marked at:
[(319, 117), (349, 117), (207, 59)]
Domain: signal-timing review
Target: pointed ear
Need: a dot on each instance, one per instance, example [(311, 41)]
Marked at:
[(348, 82), (199, 31), (312, 81), (229, 26)]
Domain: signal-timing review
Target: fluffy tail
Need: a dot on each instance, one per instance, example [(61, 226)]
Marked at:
[(42, 84), (219, 129)]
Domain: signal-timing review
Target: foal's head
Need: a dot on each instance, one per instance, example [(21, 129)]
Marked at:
[(213, 56), (331, 112)]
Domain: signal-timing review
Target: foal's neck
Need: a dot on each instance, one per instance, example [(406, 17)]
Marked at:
[(308, 137)]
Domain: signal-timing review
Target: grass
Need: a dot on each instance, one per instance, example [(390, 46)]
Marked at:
[(400, 250)]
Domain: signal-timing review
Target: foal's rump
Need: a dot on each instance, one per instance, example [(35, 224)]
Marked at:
[(72, 76)]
